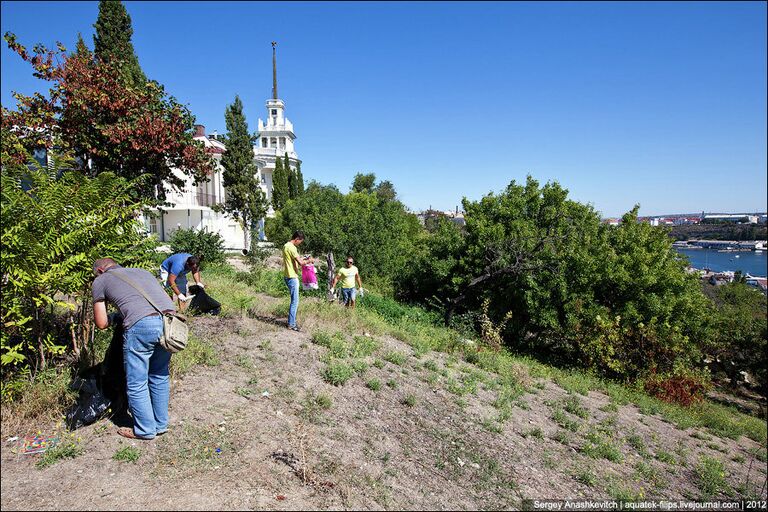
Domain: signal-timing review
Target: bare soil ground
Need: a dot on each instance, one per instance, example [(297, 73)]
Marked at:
[(251, 433)]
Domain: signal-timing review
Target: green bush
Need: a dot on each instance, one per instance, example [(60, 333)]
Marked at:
[(740, 336), (378, 232), (55, 223), (615, 299), (209, 246)]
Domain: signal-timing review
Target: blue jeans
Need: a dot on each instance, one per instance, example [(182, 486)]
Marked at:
[(293, 287), (146, 371)]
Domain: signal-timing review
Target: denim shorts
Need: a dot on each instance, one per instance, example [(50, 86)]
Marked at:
[(348, 295)]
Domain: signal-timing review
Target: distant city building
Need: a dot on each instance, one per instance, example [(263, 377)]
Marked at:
[(456, 216), (685, 221), (740, 218), (761, 283)]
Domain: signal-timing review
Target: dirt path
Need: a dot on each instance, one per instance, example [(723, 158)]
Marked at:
[(251, 433)]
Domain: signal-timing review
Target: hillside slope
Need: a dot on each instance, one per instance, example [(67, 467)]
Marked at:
[(258, 425)]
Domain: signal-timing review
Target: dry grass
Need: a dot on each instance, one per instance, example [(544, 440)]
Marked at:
[(40, 402)]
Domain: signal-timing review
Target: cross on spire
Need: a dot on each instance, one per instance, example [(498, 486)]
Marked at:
[(274, 70)]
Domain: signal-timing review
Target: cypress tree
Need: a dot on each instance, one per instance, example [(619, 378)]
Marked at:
[(292, 186), (245, 200), (280, 190), (112, 40), (291, 177), (299, 179)]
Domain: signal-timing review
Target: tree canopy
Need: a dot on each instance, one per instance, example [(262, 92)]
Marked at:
[(380, 236), (363, 182), (617, 299), (109, 124), (112, 40)]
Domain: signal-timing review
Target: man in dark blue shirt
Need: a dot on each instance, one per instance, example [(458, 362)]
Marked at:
[(173, 272)]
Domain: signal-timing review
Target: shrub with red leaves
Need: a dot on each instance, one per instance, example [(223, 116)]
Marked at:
[(109, 123), (677, 389)]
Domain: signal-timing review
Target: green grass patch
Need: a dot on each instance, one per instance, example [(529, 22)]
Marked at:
[(562, 437), (64, 450), (395, 357), (710, 477), (198, 352), (620, 492), (717, 447), (492, 425), (637, 442), (373, 384), (665, 457), (564, 421), (127, 454), (244, 361), (409, 400), (359, 366), (364, 346), (574, 382), (312, 406), (760, 453), (701, 435), (194, 447), (586, 477), (645, 471), (598, 446), (535, 433), (245, 392), (573, 405), (337, 373)]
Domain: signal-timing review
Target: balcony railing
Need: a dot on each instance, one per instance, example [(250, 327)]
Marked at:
[(275, 152), (189, 198)]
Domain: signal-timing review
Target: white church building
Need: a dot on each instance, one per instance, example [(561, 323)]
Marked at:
[(190, 207)]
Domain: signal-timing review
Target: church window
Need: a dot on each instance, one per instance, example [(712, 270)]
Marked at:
[(273, 142), (282, 142), (264, 142), (274, 111)]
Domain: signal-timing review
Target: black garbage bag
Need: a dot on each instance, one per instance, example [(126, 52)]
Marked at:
[(202, 302), (101, 387)]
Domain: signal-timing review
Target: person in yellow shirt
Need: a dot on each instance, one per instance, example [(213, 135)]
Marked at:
[(292, 263), (348, 275)]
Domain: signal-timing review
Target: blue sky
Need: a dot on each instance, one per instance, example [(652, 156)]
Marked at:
[(662, 104)]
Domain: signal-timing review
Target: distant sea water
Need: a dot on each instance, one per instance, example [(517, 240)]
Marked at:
[(752, 262)]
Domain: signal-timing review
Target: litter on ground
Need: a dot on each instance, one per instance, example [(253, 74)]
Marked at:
[(38, 444)]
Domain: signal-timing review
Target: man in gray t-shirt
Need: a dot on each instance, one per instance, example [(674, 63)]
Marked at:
[(132, 305), (146, 362)]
